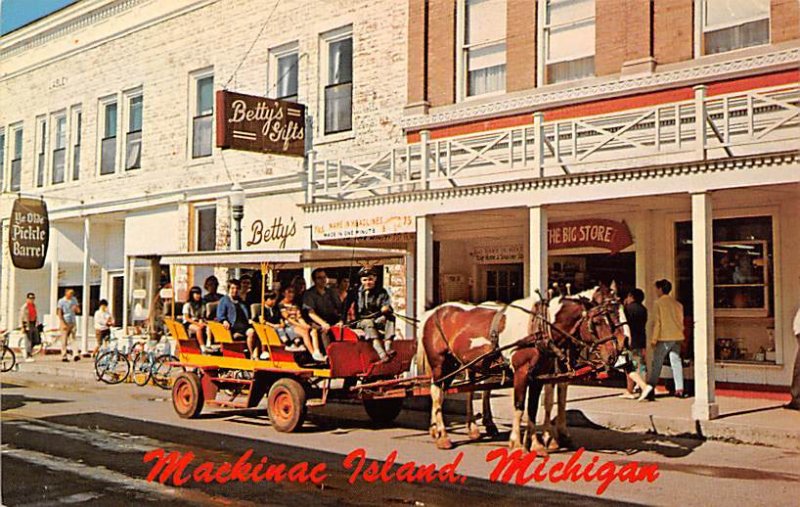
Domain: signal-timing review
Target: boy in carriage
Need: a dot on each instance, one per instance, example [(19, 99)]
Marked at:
[(374, 313)]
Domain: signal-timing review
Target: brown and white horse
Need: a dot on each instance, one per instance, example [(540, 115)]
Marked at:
[(456, 334)]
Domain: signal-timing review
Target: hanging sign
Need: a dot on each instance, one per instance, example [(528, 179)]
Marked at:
[(250, 123), (599, 233), (28, 233)]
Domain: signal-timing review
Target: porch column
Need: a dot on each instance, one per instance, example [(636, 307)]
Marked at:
[(423, 281), (424, 265), (537, 250), (85, 304), (410, 296), (53, 278), (127, 292), (705, 406)]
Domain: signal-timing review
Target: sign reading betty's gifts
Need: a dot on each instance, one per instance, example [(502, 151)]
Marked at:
[(29, 233), (599, 233), (364, 227), (250, 123)]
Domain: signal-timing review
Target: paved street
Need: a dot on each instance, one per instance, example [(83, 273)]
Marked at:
[(73, 441)]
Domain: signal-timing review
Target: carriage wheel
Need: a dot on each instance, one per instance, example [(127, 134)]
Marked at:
[(286, 405), (383, 412), (187, 395)]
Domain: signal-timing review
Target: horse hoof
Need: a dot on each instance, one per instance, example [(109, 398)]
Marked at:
[(539, 449), (474, 434), (433, 431), (553, 445), (492, 430), (444, 443), (515, 444)]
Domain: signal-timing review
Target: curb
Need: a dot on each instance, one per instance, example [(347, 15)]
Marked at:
[(56, 369)]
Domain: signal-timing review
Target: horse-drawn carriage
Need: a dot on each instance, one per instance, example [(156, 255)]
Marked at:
[(291, 381), (524, 345)]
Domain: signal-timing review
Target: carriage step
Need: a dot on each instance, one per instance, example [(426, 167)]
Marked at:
[(228, 404), (229, 380), (315, 402)]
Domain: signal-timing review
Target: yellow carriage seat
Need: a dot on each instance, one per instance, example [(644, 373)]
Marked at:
[(218, 332), (267, 335)]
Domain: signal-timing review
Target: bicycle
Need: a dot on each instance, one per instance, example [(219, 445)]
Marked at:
[(47, 339), (110, 365), (9, 359), (147, 365)]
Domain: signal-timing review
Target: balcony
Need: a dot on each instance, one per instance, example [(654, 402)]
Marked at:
[(742, 123)]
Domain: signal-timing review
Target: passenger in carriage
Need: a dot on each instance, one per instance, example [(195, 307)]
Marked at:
[(374, 313), (211, 285), (194, 316), (270, 315), (346, 298), (234, 315), (322, 305), (293, 317)]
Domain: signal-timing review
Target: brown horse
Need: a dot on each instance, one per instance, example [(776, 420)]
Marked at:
[(457, 334)]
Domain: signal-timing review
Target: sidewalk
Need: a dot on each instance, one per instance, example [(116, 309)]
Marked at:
[(749, 420)]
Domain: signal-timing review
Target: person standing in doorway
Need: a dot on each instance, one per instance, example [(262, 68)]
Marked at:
[(67, 309), (636, 316), (794, 404), (102, 325), (29, 320), (666, 339)]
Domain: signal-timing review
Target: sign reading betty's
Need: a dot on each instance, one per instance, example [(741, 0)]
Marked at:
[(599, 233), (273, 222), (29, 233), (247, 122)]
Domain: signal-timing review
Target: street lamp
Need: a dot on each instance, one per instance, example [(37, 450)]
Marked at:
[(237, 212)]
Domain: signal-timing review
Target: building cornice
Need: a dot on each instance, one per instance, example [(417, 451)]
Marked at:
[(571, 180), (53, 27), (696, 73)]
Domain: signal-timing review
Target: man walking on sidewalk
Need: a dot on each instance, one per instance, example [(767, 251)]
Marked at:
[(667, 337), (795, 403), (67, 309), (29, 320)]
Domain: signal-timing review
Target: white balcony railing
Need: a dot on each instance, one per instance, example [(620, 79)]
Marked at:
[(735, 124)]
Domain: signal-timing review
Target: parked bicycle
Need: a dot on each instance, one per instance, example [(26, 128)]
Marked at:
[(110, 364), (48, 339), (9, 359), (147, 364)]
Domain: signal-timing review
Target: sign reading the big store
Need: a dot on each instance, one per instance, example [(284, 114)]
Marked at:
[(599, 233), (29, 233), (251, 123)]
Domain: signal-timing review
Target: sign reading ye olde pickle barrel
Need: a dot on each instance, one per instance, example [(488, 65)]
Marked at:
[(29, 233), (247, 122)]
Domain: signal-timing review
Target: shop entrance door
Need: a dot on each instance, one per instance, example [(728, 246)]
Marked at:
[(503, 282), (117, 297)]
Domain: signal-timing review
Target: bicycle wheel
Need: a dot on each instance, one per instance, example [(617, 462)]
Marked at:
[(8, 359), (141, 368), (164, 373), (112, 367)]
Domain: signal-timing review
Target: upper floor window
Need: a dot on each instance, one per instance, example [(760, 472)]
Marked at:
[(482, 47), (59, 149), (338, 103), (41, 156), (16, 159), (133, 137), (77, 119), (567, 40), (284, 64), (108, 144), (734, 24), (202, 115)]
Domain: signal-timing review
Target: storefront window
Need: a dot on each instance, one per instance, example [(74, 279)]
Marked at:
[(743, 285)]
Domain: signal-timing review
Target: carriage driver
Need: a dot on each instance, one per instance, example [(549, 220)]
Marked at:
[(374, 313)]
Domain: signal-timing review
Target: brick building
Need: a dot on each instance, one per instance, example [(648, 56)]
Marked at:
[(506, 143)]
